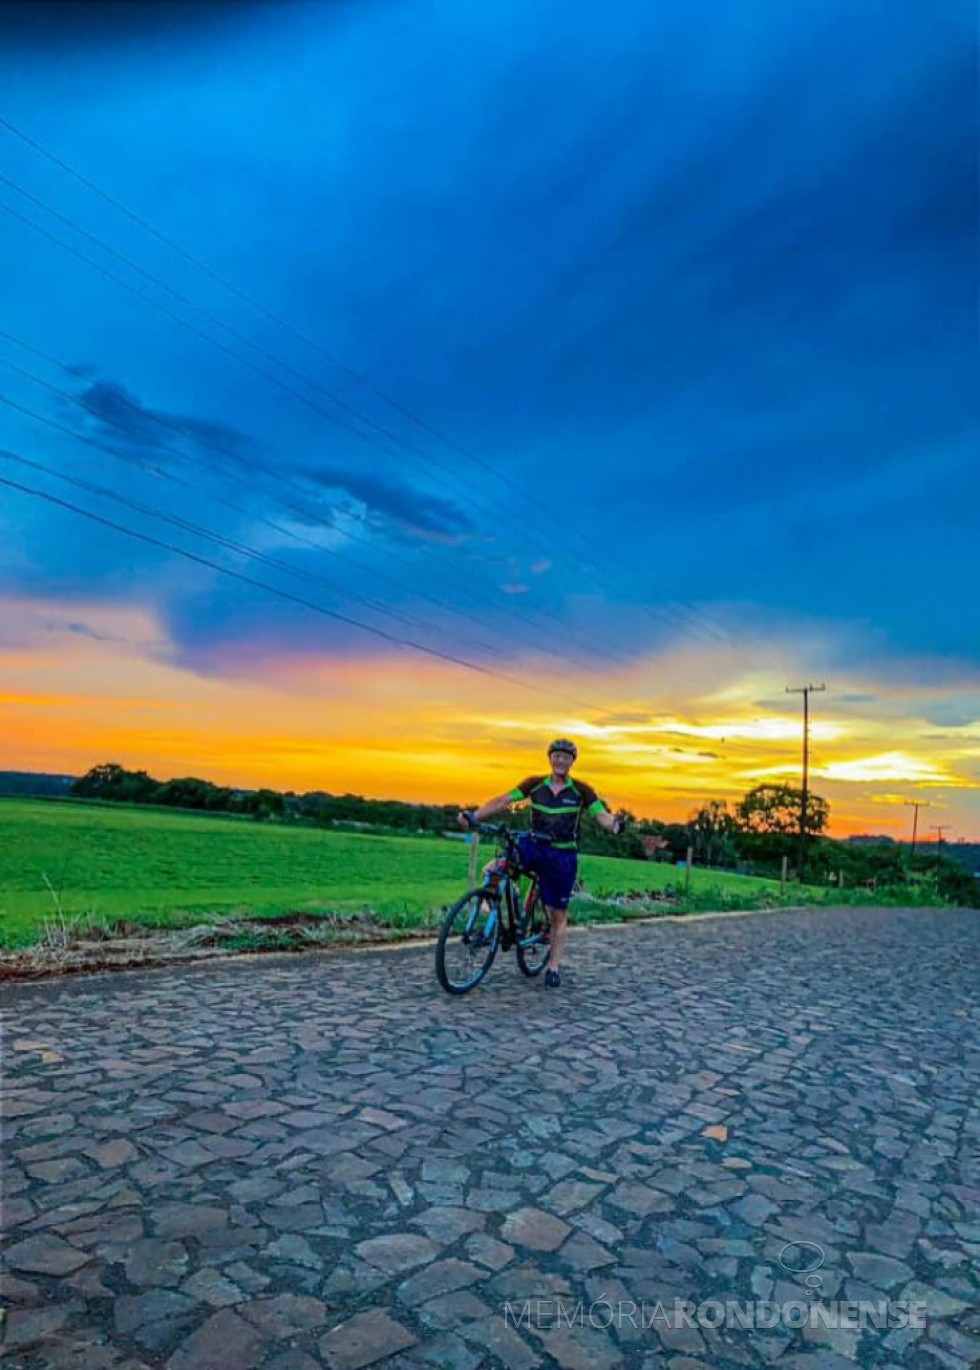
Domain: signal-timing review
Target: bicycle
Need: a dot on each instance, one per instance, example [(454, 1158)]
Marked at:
[(493, 915)]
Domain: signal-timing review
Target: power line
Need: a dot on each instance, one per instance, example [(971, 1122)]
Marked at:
[(594, 647), (183, 299), (235, 333), (690, 613), (218, 539), (200, 332), (285, 594), (168, 475)]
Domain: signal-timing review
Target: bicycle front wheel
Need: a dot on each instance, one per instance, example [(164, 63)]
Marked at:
[(533, 938), (468, 941)]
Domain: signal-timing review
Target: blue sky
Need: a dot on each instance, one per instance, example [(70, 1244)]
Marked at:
[(683, 295)]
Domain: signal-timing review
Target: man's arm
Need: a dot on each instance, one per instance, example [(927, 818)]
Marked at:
[(487, 810), (492, 806), (608, 820), (597, 808)]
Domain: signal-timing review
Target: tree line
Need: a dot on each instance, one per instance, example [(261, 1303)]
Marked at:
[(752, 837)]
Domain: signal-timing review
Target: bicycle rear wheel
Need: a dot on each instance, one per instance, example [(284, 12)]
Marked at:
[(468, 941), (533, 938)]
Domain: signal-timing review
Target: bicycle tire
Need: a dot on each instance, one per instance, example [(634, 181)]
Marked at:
[(533, 949), (471, 928)]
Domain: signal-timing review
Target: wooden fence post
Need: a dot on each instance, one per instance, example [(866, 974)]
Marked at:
[(474, 841)]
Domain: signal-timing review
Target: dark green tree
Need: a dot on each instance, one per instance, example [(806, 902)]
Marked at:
[(776, 809), (712, 830)]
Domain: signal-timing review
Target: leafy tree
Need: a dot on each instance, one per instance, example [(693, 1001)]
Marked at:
[(956, 884), (678, 837), (712, 830), (776, 809), (596, 840), (114, 782)]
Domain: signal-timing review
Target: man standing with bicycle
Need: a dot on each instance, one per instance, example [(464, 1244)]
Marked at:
[(550, 849)]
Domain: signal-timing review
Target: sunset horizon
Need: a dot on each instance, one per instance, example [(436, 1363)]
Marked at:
[(870, 757)]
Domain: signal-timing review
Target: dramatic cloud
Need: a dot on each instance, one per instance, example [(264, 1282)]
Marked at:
[(411, 511), (119, 414)]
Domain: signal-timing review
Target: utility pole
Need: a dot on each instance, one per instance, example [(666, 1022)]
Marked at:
[(805, 691), (915, 804), (939, 829)]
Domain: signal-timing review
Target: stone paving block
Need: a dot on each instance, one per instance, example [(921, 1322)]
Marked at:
[(502, 1341), (47, 1255), (441, 1277), (187, 1219), (449, 1352), (292, 1359), (581, 1348), (447, 1224), (133, 1311), (535, 1229), (20, 1293), (284, 1315), (27, 1327), (153, 1262), (580, 1253), (639, 1200), (364, 1340), (225, 1342), (211, 1287), (452, 1310), (397, 1251), (488, 1251)]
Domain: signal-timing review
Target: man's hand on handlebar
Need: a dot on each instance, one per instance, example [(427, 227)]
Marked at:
[(466, 818)]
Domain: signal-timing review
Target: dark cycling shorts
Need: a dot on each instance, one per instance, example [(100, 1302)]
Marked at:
[(555, 869)]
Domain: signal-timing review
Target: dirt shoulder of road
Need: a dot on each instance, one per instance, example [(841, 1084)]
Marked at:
[(144, 948)]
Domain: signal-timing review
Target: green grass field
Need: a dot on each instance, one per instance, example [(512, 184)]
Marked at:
[(162, 868)]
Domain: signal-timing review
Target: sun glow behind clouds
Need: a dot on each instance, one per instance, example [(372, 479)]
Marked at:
[(753, 730), (888, 766)]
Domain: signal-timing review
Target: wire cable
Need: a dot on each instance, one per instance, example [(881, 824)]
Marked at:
[(695, 618), (171, 476), (333, 614), (301, 512)]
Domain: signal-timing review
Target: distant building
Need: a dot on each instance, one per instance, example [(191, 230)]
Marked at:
[(654, 848)]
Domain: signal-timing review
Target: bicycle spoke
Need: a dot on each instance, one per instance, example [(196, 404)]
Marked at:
[(468, 941), (533, 943)]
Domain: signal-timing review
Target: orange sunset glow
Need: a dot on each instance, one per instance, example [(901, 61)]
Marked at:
[(422, 730)]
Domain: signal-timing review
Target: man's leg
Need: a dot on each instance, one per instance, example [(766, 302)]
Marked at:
[(556, 891), (559, 932)]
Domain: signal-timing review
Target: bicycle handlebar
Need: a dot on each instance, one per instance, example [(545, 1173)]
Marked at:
[(500, 831)]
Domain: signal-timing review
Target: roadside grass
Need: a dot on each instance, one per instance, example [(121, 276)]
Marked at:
[(77, 868), (73, 872)]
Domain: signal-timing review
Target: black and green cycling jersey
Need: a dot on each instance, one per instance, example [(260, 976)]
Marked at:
[(558, 816)]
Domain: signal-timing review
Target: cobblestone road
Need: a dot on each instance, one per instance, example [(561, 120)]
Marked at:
[(324, 1161)]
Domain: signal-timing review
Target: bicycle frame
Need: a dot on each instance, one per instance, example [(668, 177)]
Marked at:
[(491, 917), (504, 886)]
